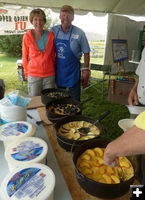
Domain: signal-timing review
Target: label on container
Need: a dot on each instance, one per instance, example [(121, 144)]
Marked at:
[(15, 129), (26, 184), (27, 150)]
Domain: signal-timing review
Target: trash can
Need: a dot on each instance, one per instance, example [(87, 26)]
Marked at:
[(20, 70)]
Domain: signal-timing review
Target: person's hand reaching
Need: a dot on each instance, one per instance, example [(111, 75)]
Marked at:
[(85, 76), (110, 161), (133, 97)]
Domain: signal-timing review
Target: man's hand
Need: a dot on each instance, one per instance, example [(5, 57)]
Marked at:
[(109, 157), (133, 97), (85, 76)]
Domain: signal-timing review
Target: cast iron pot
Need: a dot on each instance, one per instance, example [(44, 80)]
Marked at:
[(101, 190), (60, 94), (70, 144), (54, 117)]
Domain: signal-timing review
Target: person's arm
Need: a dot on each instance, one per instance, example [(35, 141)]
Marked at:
[(25, 55), (85, 70), (53, 51), (86, 60), (133, 97), (132, 142)]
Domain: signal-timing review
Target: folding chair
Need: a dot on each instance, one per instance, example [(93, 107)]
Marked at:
[(98, 82)]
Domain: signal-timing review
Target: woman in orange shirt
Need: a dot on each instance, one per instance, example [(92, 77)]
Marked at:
[(38, 55)]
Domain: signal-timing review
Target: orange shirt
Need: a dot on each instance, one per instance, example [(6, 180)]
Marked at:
[(35, 62)]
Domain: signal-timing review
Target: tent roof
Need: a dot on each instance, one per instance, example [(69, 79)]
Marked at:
[(128, 7)]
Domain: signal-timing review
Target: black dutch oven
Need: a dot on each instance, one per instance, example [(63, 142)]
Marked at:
[(101, 190), (54, 117), (70, 144), (51, 94)]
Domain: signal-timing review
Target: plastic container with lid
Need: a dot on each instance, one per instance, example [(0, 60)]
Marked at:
[(26, 150), (12, 113), (33, 181), (12, 131), (125, 124), (135, 110)]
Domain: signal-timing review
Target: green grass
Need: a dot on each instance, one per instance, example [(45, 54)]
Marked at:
[(98, 106), (94, 109), (8, 72)]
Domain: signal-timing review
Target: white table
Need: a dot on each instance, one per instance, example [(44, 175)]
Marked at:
[(61, 191)]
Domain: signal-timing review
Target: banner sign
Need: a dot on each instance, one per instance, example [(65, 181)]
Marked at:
[(14, 21)]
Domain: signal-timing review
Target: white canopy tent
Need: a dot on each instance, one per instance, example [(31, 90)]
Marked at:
[(119, 27), (128, 7)]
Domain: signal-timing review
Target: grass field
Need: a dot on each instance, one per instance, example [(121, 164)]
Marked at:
[(8, 72), (98, 106), (95, 108)]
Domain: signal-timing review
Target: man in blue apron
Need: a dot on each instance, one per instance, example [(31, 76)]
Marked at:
[(70, 43)]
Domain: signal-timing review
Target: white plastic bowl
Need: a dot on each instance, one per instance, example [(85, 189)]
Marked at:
[(125, 124), (135, 110)]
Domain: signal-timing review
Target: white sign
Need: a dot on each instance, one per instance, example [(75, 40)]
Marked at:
[(14, 21)]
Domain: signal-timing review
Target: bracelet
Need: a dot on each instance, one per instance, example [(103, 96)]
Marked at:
[(85, 68)]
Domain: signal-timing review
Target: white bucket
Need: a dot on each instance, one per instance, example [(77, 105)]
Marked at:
[(26, 150), (125, 124), (13, 131), (12, 113), (33, 181)]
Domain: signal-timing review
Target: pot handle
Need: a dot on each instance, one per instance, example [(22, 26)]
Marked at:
[(73, 144), (103, 116), (85, 101), (79, 175)]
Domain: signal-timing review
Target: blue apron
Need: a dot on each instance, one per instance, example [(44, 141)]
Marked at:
[(67, 65)]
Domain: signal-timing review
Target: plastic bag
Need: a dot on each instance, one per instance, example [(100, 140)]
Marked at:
[(17, 99), (13, 107)]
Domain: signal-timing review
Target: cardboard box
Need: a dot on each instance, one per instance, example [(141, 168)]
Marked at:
[(119, 91)]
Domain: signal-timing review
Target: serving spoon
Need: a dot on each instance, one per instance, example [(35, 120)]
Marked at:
[(86, 130)]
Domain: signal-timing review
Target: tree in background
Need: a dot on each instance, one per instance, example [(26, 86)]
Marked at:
[(12, 44)]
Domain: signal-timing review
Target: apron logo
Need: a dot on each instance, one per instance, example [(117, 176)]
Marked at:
[(61, 52)]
